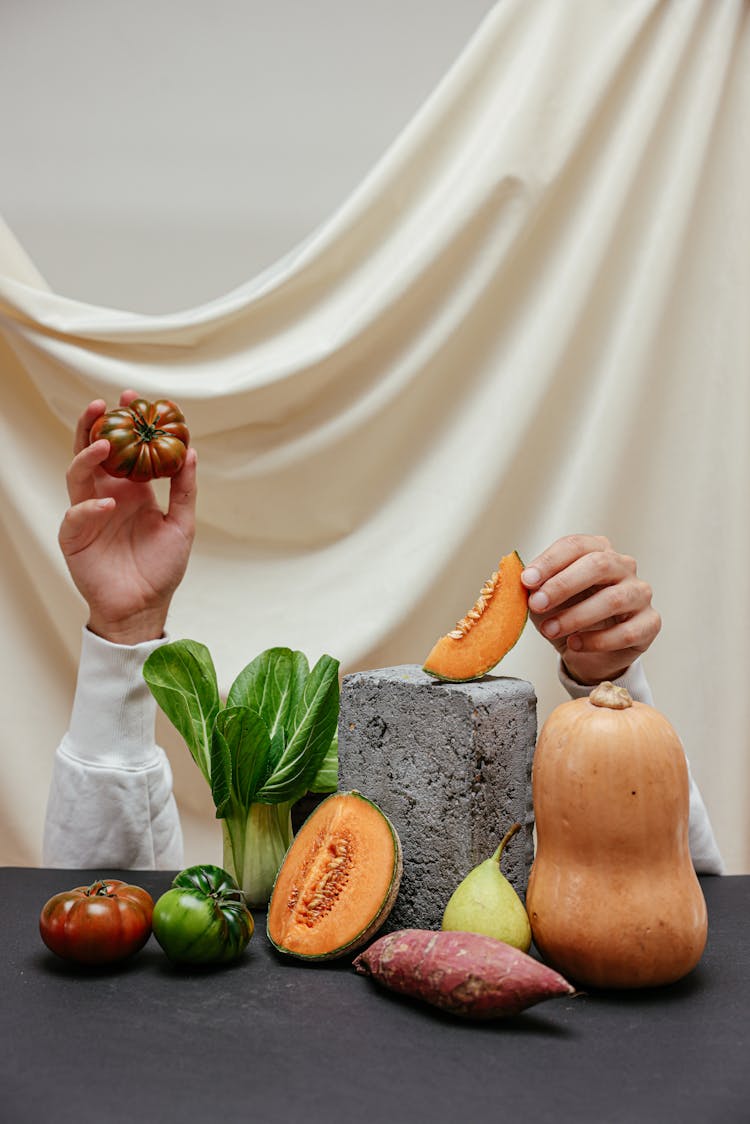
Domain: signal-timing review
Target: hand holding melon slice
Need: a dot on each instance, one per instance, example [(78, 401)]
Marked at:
[(488, 631)]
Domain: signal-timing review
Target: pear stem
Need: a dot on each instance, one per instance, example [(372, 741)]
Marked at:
[(508, 835)]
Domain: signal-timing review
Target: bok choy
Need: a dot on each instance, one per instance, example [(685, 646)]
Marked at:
[(272, 741)]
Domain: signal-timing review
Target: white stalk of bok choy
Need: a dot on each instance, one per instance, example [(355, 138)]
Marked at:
[(271, 742)]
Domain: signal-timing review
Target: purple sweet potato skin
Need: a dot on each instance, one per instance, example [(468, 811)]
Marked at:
[(467, 974)]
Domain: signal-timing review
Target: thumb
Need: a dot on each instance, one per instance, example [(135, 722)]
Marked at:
[(82, 523)]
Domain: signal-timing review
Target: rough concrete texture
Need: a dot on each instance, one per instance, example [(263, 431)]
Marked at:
[(450, 765)]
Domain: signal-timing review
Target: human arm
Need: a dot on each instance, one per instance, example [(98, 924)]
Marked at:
[(110, 800)]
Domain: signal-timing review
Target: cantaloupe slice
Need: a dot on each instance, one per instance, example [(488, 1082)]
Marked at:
[(488, 631), (338, 881)]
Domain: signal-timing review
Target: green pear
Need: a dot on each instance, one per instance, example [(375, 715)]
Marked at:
[(485, 902)]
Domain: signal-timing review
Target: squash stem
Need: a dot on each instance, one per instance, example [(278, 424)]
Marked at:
[(607, 694)]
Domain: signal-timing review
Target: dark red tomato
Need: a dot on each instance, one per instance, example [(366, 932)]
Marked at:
[(98, 924), (147, 439)]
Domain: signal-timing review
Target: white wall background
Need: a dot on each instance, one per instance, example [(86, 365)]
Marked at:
[(140, 139)]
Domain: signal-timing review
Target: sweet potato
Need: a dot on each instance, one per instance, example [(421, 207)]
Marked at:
[(465, 973)]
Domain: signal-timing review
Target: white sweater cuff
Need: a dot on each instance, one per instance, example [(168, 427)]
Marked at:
[(114, 713), (634, 680)]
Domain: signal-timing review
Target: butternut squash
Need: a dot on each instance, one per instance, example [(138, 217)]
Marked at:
[(488, 631), (613, 898)]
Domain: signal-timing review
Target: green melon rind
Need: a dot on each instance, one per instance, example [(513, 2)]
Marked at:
[(378, 920)]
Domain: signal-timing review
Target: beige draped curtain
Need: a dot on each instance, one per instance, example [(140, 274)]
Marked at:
[(529, 319)]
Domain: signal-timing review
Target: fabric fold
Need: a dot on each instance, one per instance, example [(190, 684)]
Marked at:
[(527, 320)]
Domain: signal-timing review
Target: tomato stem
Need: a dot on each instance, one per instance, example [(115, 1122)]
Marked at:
[(99, 889), (147, 431)]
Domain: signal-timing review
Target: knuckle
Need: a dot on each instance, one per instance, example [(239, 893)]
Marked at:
[(552, 589), (572, 542), (545, 561), (600, 562), (630, 635), (594, 641), (619, 600)]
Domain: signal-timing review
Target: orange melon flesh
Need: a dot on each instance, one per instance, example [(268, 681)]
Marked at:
[(338, 881), (488, 638)]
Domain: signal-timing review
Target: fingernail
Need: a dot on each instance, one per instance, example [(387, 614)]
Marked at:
[(551, 628), (538, 602), (531, 576), (575, 643), (106, 502)]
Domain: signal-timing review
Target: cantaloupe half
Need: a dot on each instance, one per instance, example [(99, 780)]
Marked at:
[(338, 881), (488, 631)]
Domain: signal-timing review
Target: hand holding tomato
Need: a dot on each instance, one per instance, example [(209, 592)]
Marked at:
[(146, 439), (99, 924), (125, 555)]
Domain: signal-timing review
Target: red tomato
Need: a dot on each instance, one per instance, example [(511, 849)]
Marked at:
[(98, 924), (146, 439)]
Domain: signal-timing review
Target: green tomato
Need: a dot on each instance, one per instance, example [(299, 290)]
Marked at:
[(203, 918)]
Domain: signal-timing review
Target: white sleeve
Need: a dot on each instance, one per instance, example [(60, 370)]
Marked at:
[(703, 847), (110, 802)]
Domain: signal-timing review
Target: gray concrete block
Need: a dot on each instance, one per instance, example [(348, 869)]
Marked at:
[(450, 765)]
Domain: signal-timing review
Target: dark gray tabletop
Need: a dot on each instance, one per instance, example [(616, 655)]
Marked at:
[(273, 1041)]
